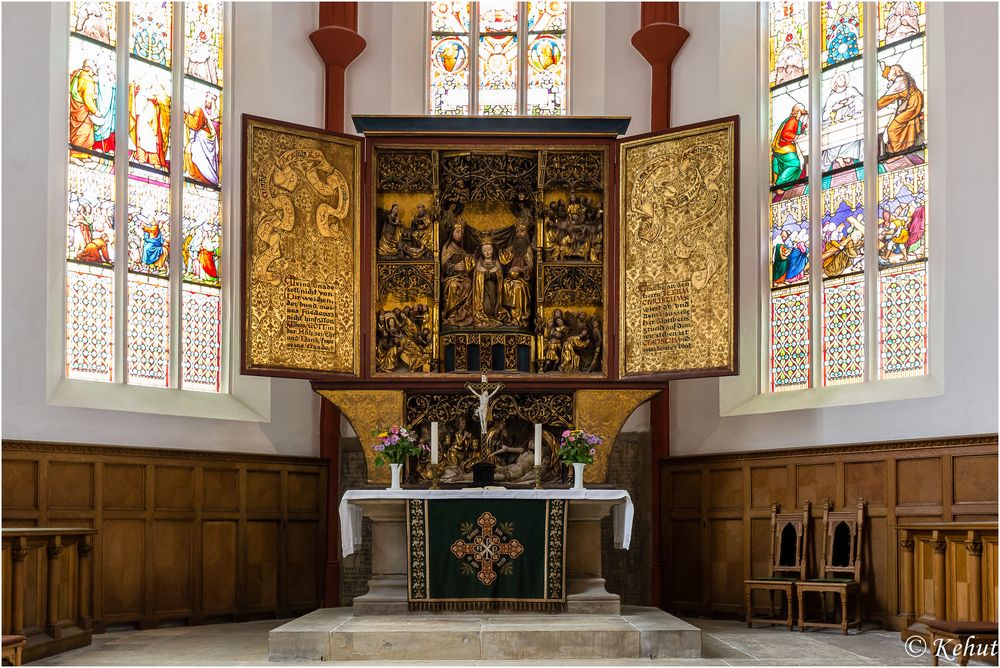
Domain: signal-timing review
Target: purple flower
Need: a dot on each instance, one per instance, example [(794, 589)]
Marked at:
[(393, 439), (593, 451), (378, 447)]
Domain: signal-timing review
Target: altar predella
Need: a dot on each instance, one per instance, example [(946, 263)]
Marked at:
[(583, 269)]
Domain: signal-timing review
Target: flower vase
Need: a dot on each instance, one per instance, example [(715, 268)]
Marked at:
[(578, 475), (397, 475)]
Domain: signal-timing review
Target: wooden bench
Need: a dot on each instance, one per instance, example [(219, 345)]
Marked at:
[(13, 646), (982, 634)]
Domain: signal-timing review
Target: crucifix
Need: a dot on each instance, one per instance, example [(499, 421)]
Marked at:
[(485, 391)]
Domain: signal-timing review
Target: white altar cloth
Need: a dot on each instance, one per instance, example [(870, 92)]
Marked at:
[(351, 514)]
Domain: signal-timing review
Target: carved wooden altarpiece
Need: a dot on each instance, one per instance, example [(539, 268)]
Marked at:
[(583, 270)]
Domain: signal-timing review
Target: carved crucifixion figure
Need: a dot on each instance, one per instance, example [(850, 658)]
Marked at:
[(485, 391)]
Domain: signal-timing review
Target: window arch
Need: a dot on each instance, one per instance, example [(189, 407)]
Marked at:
[(144, 194), (848, 298), (498, 58)]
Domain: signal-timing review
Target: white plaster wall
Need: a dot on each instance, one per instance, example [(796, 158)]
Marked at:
[(716, 74), (277, 74)]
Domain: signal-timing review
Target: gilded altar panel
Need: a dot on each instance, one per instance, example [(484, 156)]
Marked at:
[(302, 226), (604, 412), (366, 410), (677, 253)]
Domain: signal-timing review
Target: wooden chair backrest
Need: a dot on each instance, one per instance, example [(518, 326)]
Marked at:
[(786, 527), (843, 537)]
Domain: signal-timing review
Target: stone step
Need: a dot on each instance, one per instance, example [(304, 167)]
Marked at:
[(335, 634)]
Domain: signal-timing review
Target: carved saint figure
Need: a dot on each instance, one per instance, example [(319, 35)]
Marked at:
[(456, 267), (519, 258), (521, 467), (392, 233), (487, 287), (418, 243), (571, 350)]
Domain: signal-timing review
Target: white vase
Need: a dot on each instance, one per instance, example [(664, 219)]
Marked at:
[(578, 475), (397, 475)]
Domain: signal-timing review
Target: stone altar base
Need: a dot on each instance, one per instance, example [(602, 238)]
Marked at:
[(336, 634)]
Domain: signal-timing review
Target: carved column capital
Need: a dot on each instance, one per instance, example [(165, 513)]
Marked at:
[(975, 549), (18, 554), (54, 551), (907, 544), (84, 549), (940, 546)]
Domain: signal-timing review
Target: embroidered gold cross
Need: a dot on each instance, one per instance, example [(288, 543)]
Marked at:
[(487, 548)]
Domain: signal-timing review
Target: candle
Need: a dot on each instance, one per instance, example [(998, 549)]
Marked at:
[(538, 444), (434, 443)]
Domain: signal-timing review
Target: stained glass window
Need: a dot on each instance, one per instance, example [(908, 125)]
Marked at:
[(165, 213), (827, 200), (498, 58)]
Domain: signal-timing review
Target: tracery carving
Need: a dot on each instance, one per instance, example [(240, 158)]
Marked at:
[(484, 177), (574, 171), (400, 171), (407, 282), (573, 285)]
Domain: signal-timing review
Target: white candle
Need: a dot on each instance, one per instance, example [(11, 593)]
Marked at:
[(434, 442), (538, 444)]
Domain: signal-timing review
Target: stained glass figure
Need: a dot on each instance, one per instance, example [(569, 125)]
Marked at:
[(90, 234), (92, 78), (149, 114), (96, 19), (789, 242), (203, 41), (843, 116), (450, 17), (902, 347), (498, 17), (201, 249), (150, 34), (844, 330), (546, 75), (843, 226), (788, 52), (90, 324), (789, 134), (900, 20), (148, 222), (148, 319), (201, 334), (547, 16), (790, 346), (902, 210), (202, 131), (498, 75), (901, 112), (843, 35)]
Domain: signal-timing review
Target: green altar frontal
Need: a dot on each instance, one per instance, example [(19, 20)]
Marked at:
[(486, 554)]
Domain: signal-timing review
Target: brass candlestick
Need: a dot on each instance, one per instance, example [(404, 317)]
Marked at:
[(436, 470), (538, 477)]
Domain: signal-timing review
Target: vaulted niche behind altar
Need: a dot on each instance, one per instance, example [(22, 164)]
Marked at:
[(543, 251)]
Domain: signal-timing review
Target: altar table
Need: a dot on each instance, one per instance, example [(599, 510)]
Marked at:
[(585, 591)]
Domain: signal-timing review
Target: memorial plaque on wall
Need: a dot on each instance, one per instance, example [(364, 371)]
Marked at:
[(678, 195), (301, 246)]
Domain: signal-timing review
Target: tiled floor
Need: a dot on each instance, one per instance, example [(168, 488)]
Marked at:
[(724, 643)]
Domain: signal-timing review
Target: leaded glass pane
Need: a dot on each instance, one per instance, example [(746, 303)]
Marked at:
[(902, 347), (789, 241), (450, 17), (900, 20), (203, 41), (95, 19), (546, 75), (498, 75), (498, 17), (148, 348), (201, 332), (90, 325), (92, 83), (202, 132), (901, 112), (790, 347), (150, 34), (547, 16), (788, 45), (843, 223), (902, 209), (148, 222), (842, 31), (789, 134), (90, 234), (149, 114), (450, 75), (202, 231), (844, 330), (843, 116)]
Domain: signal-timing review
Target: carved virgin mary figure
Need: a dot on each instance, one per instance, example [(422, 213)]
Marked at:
[(487, 287), (456, 266), (519, 258)]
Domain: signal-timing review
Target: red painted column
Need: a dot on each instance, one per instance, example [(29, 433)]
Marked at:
[(659, 40), (338, 43)]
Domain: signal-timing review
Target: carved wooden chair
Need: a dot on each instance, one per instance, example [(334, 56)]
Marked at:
[(840, 569), (788, 559)]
